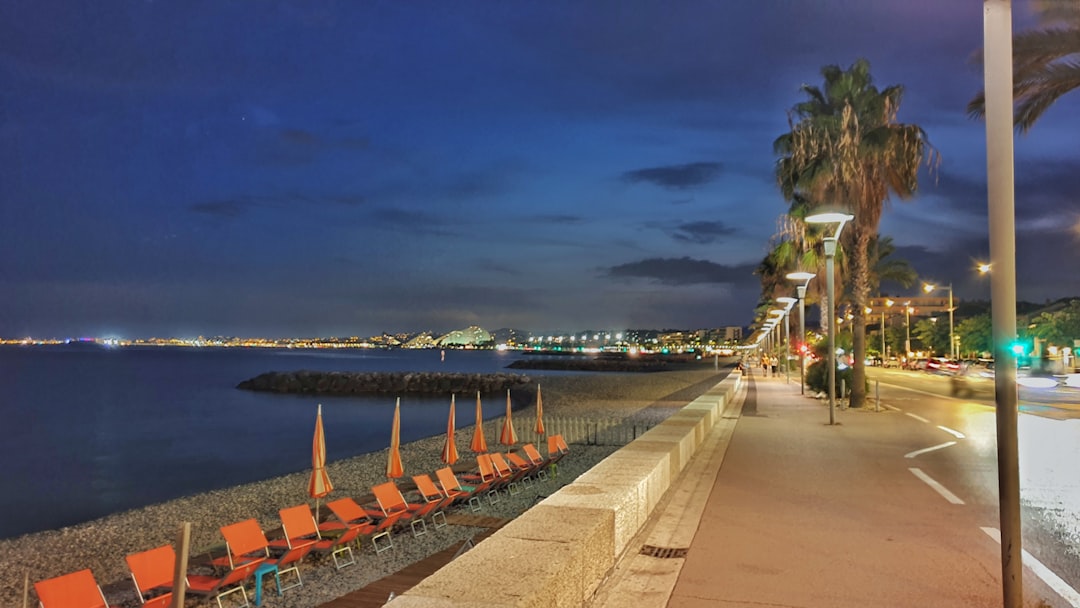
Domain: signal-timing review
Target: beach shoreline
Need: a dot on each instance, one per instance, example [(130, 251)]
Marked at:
[(101, 544)]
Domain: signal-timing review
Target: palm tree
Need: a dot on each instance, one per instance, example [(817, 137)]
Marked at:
[(1046, 62), (888, 268), (846, 149)]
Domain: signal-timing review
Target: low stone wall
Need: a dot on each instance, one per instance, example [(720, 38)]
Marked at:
[(558, 553)]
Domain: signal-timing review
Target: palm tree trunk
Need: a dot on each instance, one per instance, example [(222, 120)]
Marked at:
[(860, 287)]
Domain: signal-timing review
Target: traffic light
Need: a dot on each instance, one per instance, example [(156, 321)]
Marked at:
[(1018, 348)]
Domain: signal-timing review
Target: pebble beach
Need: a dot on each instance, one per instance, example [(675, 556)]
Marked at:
[(102, 544)]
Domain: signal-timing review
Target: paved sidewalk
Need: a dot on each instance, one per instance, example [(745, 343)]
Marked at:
[(791, 511)]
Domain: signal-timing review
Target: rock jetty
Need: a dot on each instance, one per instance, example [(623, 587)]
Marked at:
[(399, 383)]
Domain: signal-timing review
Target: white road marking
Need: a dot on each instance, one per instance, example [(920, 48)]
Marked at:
[(930, 449), (891, 407), (956, 434), (917, 417), (1047, 575), (940, 489)]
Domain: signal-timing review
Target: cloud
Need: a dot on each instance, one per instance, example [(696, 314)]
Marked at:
[(684, 271), (701, 232), (226, 209), (675, 177), (558, 218)]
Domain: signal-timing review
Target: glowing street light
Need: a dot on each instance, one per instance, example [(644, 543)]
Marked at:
[(800, 290), (929, 287), (983, 267), (830, 252)]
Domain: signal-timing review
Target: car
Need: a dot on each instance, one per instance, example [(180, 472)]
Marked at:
[(973, 379), (942, 365)]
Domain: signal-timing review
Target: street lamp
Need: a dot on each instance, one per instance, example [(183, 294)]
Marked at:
[(800, 290), (907, 328), (788, 303), (928, 287), (830, 252), (888, 304)]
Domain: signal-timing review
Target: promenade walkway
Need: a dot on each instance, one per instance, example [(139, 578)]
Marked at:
[(790, 511)]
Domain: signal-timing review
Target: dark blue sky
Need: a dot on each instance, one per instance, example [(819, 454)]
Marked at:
[(344, 168)]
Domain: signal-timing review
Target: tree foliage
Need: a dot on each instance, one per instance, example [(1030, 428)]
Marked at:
[(1046, 62), (846, 148), (976, 334)]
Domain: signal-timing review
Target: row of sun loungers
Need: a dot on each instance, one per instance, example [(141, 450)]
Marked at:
[(250, 554)]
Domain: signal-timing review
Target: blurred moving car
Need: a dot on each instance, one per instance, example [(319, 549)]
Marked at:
[(942, 365), (972, 379)]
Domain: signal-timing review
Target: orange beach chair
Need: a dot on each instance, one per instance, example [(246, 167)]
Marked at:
[(354, 520), (394, 506), (220, 586), (427, 490), (485, 479), (152, 572), (244, 543), (78, 589), (454, 491), (298, 542)]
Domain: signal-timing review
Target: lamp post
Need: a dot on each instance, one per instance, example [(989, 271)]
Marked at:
[(788, 303), (777, 319), (888, 304), (928, 287), (800, 291), (907, 328), (830, 253)]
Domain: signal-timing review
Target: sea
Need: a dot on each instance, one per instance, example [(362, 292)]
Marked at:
[(90, 431)]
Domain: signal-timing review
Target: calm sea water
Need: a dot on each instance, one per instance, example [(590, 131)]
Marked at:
[(92, 431)]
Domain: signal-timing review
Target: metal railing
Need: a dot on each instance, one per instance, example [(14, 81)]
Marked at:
[(577, 430)]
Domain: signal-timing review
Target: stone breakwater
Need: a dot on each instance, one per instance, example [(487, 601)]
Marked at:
[(358, 383)]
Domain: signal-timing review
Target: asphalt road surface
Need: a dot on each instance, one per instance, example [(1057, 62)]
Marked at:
[(961, 454)]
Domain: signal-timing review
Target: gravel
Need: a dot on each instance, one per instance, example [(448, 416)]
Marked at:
[(102, 544)]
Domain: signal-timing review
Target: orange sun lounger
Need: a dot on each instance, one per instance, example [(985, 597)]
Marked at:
[(485, 479), (298, 542), (354, 521), (393, 506), (220, 586), (454, 491), (152, 572), (435, 499), (78, 589), (244, 543)]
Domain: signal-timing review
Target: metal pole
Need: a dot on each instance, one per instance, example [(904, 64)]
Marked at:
[(787, 348), (997, 75), (801, 290), (830, 251), (907, 329), (882, 337), (952, 338)]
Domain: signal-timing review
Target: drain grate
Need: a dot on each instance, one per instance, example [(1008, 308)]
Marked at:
[(664, 552)]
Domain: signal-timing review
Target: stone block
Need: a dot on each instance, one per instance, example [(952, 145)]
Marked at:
[(626, 502), (651, 475), (503, 571), (591, 531)]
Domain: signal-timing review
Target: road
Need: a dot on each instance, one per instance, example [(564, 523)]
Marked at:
[(961, 455)]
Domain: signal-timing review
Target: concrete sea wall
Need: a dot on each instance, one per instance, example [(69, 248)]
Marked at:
[(558, 553)]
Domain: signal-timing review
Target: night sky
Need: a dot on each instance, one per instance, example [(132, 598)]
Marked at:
[(311, 168)]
